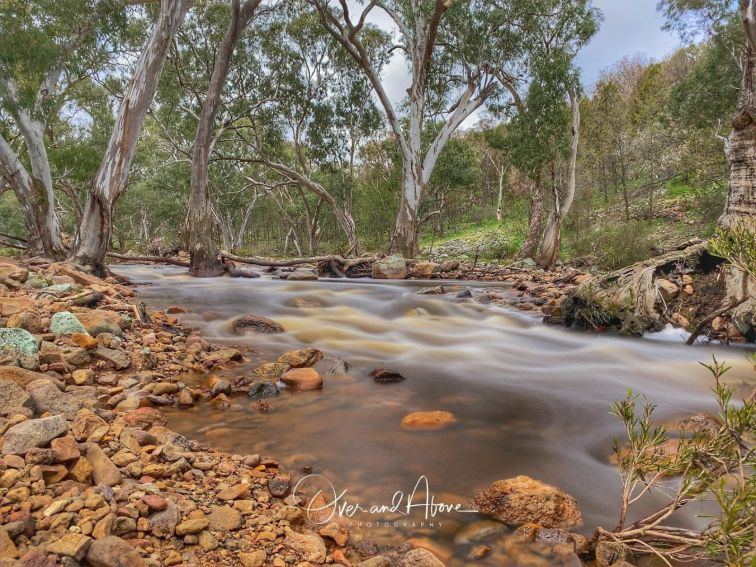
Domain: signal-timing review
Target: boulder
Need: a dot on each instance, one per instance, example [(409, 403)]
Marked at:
[(523, 500), (271, 370), (255, 324), (112, 551), (301, 358), (428, 420), (20, 345), (14, 399), (47, 397), (12, 305), (117, 358), (331, 366), (667, 289), (390, 268), (309, 546), (12, 275), (263, 390), (104, 472), (302, 275), (99, 321), (425, 269), (33, 433), (20, 376), (66, 323), (420, 558), (302, 379), (27, 320)]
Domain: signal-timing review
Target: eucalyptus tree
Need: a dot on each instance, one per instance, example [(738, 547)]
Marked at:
[(95, 228), (460, 56), (46, 47)]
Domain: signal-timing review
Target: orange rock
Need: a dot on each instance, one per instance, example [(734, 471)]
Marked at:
[(84, 341), (303, 379), (428, 420)]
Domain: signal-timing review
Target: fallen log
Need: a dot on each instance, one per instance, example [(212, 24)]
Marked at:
[(345, 263), (154, 259)]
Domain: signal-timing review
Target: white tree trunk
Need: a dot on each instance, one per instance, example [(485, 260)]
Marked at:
[(94, 231)]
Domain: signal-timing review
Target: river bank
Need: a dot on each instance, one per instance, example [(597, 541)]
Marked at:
[(154, 496)]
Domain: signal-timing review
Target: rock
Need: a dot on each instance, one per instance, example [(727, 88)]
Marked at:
[(385, 376), (420, 558), (523, 500), (302, 379), (425, 269), (163, 524), (112, 551), (14, 399), (192, 526), (115, 357), (85, 341), (308, 545), (301, 358), (271, 370), (155, 502), (103, 470), (582, 278), (66, 323), (47, 397), (65, 449), (667, 289), (234, 492), (21, 345), (33, 433), (335, 532), (280, 485), (71, 545), (12, 305), (99, 321), (390, 268), (145, 418), (377, 561), (477, 532), (86, 424), (28, 321), (428, 420), (450, 265), (7, 547), (262, 390), (331, 366), (20, 376), (611, 552), (253, 558), (679, 321), (254, 324), (12, 275), (301, 275), (224, 518), (83, 377), (80, 471)]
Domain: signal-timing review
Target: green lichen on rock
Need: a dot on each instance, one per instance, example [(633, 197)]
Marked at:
[(66, 323), (20, 345), (36, 281)]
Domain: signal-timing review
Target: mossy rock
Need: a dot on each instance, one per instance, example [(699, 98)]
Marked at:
[(36, 281), (66, 323)]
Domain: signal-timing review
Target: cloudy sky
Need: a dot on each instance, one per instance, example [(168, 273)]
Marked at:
[(629, 27)]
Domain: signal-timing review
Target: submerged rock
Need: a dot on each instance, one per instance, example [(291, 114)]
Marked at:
[(255, 324), (428, 420), (385, 376), (523, 500), (263, 390)]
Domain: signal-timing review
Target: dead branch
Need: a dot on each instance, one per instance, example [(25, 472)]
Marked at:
[(154, 259), (719, 312), (344, 262)]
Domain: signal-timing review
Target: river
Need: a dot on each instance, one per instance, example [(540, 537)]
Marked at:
[(529, 399)]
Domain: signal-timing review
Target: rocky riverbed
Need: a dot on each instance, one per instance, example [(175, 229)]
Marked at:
[(91, 475)]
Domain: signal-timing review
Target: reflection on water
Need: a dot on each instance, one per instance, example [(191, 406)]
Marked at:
[(528, 398)]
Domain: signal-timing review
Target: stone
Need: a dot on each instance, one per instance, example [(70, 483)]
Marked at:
[(271, 370), (301, 358), (611, 552), (280, 485), (7, 547), (377, 561), (420, 558), (255, 324), (667, 289), (308, 545), (162, 388), (390, 268), (86, 424), (477, 532), (234, 492), (331, 366), (450, 265), (65, 449), (254, 558), (207, 541), (83, 377), (71, 545), (262, 390), (20, 376), (224, 518), (103, 470), (385, 376), (112, 551), (21, 345), (66, 323), (28, 321), (145, 418), (13, 398), (48, 398), (425, 269), (85, 341), (117, 358), (33, 433), (679, 321), (80, 471), (302, 379), (302, 275), (98, 321), (428, 420), (12, 305), (192, 526), (523, 500), (335, 532), (155, 502), (12, 275)]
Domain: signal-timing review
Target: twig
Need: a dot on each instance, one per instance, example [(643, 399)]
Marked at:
[(699, 329)]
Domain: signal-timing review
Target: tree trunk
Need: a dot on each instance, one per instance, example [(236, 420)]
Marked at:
[(536, 220), (200, 228), (94, 231), (740, 209), (551, 243)]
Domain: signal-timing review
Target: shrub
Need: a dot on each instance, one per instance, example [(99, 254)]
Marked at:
[(612, 246)]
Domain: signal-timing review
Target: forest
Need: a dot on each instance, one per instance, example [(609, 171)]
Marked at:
[(253, 252)]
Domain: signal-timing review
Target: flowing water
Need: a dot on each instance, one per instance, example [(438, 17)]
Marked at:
[(529, 399)]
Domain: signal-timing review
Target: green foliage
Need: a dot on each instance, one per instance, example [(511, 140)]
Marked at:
[(737, 245), (612, 246), (708, 463)]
